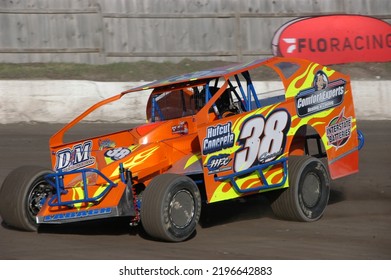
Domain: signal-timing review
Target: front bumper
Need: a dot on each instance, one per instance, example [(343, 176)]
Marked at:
[(86, 200)]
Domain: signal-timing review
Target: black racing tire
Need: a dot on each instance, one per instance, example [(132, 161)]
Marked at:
[(21, 194), (171, 207), (308, 193)]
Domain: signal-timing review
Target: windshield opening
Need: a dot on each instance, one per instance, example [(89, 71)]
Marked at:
[(171, 103)]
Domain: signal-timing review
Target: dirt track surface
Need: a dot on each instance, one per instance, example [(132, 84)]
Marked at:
[(356, 225)]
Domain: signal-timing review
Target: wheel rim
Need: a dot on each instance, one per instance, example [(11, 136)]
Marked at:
[(39, 192), (311, 190), (182, 209)]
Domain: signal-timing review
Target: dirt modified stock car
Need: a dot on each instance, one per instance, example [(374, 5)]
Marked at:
[(210, 136)]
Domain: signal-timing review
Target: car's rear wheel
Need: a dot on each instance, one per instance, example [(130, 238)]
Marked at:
[(308, 193), (21, 196), (171, 207)]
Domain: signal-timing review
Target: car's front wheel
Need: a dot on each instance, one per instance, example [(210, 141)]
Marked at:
[(21, 196), (171, 207)]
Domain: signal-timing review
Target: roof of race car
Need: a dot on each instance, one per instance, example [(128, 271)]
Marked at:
[(211, 73)]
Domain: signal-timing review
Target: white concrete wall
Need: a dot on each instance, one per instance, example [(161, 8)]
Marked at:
[(56, 101), (372, 99)]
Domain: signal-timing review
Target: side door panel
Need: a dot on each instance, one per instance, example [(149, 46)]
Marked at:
[(245, 153)]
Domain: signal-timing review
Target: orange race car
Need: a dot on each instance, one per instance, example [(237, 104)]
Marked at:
[(210, 136)]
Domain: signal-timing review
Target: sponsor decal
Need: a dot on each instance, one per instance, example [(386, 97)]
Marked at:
[(78, 157), (321, 96), (262, 140), (218, 137), (332, 40), (181, 128), (117, 153), (106, 144), (339, 130), (79, 214), (218, 163)]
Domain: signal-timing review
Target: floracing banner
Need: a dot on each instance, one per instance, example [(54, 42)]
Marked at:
[(335, 39)]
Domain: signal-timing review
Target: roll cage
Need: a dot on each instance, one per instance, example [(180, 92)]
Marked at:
[(236, 77), (238, 94)]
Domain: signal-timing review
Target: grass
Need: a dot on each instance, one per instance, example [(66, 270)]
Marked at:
[(135, 71)]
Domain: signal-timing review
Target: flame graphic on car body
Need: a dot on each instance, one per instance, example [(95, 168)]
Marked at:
[(317, 121)]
